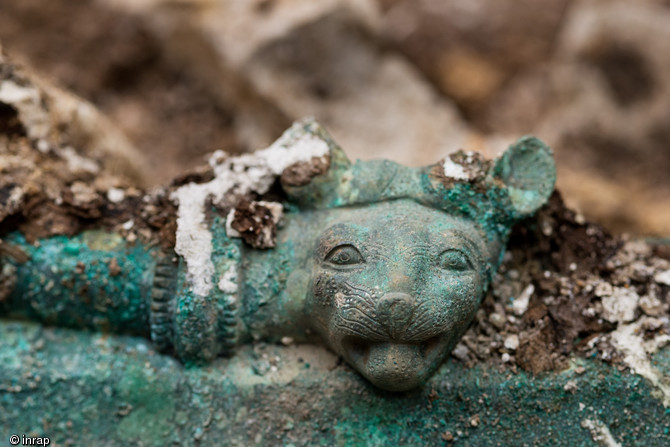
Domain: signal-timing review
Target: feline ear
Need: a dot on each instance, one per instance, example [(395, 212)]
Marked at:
[(315, 183), (528, 171)]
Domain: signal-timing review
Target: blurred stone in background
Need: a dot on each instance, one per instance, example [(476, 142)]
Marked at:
[(299, 57), (471, 49), (603, 102), (114, 59), (408, 80)]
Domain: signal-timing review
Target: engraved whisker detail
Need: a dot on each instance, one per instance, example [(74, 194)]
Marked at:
[(421, 335), (353, 291), (420, 320), (358, 310)]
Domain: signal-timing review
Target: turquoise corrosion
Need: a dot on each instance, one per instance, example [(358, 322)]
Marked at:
[(385, 264)]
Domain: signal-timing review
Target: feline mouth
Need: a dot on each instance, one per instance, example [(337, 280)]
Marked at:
[(394, 365), (359, 348)]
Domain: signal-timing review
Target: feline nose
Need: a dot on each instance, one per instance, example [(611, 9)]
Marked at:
[(395, 311)]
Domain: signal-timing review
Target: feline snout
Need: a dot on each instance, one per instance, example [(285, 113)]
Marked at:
[(395, 312)]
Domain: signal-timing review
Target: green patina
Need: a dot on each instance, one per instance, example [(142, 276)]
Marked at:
[(119, 390), (384, 263), (92, 280)]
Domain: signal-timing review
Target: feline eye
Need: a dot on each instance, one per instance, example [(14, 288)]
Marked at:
[(454, 260), (345, 255)]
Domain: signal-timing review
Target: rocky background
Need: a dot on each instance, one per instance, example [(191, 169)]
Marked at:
[(412, 80), (409, 80)]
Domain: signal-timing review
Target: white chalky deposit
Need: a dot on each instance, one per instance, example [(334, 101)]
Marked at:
[(600, 432), (116, 195), (27, 101), (457, 171), (520, 304), (620, 305), (228, 281), (240, 175), (230, 231), (512, 342), (628, 340), (76, 163), (454, 170)]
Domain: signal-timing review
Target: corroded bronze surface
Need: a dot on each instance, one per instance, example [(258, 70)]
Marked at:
[(394, 286), (386, 264)]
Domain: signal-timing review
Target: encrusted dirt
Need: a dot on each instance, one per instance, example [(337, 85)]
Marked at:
[(49, 186), (255, 223), (564, 287), (115, 61), (302, 173)]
